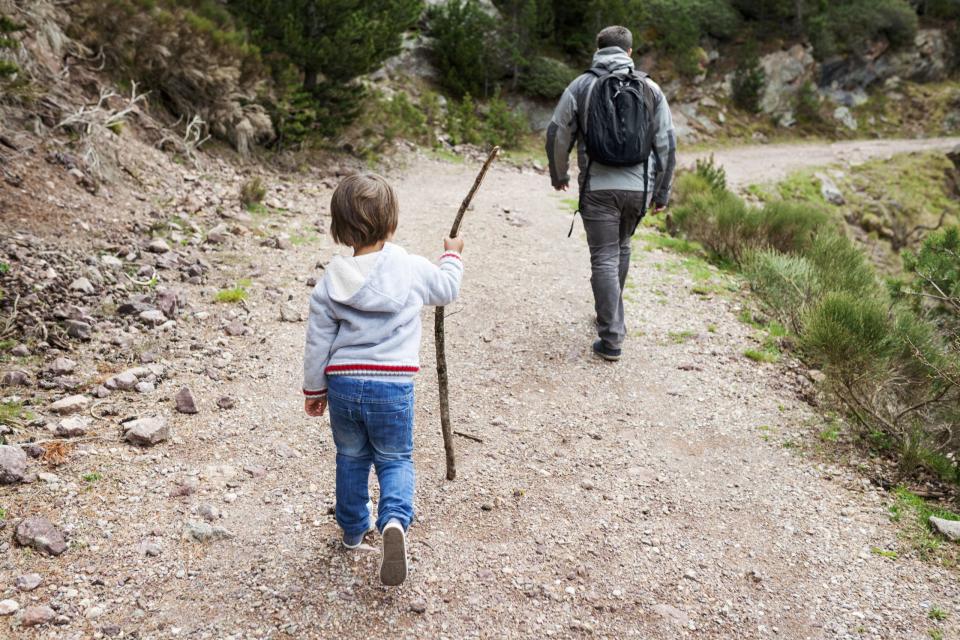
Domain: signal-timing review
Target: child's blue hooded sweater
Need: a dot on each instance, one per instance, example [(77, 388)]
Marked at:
[(365, 314)]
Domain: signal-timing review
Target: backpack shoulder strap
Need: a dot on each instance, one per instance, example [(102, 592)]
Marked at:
[(598, 72)]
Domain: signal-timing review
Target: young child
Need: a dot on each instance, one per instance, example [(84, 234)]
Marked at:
[(363, 345)]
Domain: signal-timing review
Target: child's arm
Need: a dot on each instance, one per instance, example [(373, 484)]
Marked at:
[(321, 331), (441, 281)]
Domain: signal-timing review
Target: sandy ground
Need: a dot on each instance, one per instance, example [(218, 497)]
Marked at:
[(659, 497)]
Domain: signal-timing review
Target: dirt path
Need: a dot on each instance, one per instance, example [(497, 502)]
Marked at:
[(757, 164), (661, 497)]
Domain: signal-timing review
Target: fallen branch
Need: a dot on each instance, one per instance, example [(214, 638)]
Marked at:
[(442, 379), (468, 436)]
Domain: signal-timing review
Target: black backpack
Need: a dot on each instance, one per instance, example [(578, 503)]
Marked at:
[(618, 124)]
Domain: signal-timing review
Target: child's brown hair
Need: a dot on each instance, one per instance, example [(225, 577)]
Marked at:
[(364, 210)]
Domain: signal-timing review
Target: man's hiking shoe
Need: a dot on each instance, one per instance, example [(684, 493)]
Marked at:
[(393, 564), (352, 542), (605, 352)]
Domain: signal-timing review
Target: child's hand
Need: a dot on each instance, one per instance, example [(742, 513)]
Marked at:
[(453, 244), (315, 407)]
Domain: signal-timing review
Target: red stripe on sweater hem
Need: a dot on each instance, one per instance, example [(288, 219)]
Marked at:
[(311, 394), (371, 367), (452, 255)]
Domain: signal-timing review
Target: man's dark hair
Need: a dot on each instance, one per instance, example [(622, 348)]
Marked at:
[(615, 36)]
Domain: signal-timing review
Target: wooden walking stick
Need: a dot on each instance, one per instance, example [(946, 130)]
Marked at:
[(445, 428)]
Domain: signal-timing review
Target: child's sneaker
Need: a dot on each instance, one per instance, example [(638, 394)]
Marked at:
[(352, 542), (393, 564)]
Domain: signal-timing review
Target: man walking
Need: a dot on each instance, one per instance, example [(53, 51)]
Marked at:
[(626, 151)]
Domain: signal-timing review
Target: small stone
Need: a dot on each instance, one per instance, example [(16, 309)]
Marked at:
[(20, 351), (487, 506), (587, 484), (37, 615), (144, 387), (70, 404), (94, 612), (218, 235), (153, 317), (948, 528), (40, 534), (33, 450), (146, 431), (255, 470), (8, 607), (236, 328), (151, 549), (78, 329), (82, 285), (111, 630), (158, 245), (229, 498), (208, 512), (13, 464), (124, 381), (28, 582), (419, 605), (101, 392), (203, 532), (184, 488), (289, 314), (672, 614), (185, 402), (72, 427), (226, 402), (690, 574), (62, 366), (15, 378)]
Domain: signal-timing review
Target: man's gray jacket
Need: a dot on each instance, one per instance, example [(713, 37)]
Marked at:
[(565, 130)]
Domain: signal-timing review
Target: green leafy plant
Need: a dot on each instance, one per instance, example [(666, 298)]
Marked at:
[(252, 192), (749, 80), (464, 49)]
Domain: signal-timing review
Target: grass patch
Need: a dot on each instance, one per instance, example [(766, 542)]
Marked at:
[(92, 476), (883, 553), (762, 355), (6, 345), (831, 433), (441, 153), (679, 337), (669, 243), (936, 613), (13, 413), (913, 514), (235, 294)]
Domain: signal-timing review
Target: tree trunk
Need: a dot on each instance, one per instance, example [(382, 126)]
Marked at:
[(310, 80)]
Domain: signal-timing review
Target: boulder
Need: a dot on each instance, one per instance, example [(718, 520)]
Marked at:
[(72, 427), (37, 615), (16, 378), (40, 534), (185, 402), (786, 72), (13, 464), (70, 404), (62, 366), (947, 528), (845, 117), (829, 189), (158, 245), (146, 431)]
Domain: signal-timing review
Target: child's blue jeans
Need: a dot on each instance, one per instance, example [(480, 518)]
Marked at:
[(372, 424)]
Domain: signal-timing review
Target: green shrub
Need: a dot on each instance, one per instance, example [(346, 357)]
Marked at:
[(806, 107), (504, 125), (8, 68), (935, 269), (749, 80), (714, 174), (546, 78), (463, 123), (847, 27), (790, 227), (848, 336), (841, 266), (464, 48), (252, 192), (786, 284)]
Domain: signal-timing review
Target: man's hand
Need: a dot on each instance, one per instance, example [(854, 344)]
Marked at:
[(315, 407), (453, 244), (562, 187), (659, 208)]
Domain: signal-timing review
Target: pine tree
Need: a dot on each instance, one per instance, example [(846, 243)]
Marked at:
[(330, 41)]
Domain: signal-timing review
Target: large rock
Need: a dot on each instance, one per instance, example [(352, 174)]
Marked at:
[(62, 366), (948, 528), (205, 532), (124, 381), (786, 72), (146, 431), (13, 464), (35, 616), (70, 404), (16, 378), (829, 189), (40, 534), (185, 402), (926, 61), (72, 427), (845, 117)]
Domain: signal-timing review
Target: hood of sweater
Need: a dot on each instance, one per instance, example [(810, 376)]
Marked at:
[(612, 59), (379, 282)]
